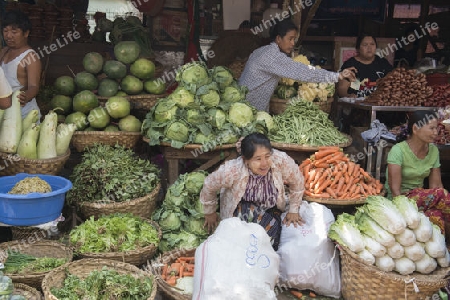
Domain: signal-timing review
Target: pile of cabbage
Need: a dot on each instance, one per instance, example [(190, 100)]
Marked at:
[(308, 91), (392, 235), (208, 107), (180, 216)]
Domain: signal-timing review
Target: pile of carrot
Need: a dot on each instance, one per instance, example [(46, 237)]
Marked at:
[(329, 173), (181, 267)]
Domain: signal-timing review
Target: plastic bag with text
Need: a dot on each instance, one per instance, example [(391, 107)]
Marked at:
[(236, 262), (309, 260)]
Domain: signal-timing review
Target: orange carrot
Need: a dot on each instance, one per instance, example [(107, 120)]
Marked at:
[(172, 280), (186, 258), (322, 195), (312, 294), (321, 154), (323, 185), (181, 271), (304, 163), (340, 184), (186, 273), (335, 148), (321, 165), (306, 169), (331, 192), (297, 294), (351, 166)]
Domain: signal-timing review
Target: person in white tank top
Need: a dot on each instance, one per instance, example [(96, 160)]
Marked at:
[(19, 62)]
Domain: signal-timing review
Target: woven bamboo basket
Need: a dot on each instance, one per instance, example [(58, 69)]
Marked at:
[(39, 248), (21, 233), (169, 292), (13, 164), (82, 268), (237, 67), (135, 257), (85, 139), (26, 291), (144, 102), (277, 106), (361, 281), (142, 207)]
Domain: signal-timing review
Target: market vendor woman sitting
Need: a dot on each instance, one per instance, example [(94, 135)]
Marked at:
[(252, 188), (413, 160)]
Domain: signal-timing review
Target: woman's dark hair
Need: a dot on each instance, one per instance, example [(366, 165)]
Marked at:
[(418, 118), (16, 18), (251, 142), (363, 36), (281, 28)]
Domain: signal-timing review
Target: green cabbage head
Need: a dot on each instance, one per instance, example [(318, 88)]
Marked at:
[(196, 227), (165, 111), (267, 119), (232, 94), (170, 221), (200, 138), (193, 75), (240, 114), (210, 99), (222, 76), (194, 117), (177, 131), (193, 182), (217, 117), (182, 96)]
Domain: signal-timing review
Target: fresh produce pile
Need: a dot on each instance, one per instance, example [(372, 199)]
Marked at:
[(440, 96), (402, 87), (30, 185), (7, 289), (21, 263), (180, 274), (129, 74), (111, 174), (113, 233), (443, 136), (329, 173), (104, 284), (29, 139), (208, 107), (181, 215), (308, 91), (303, 123), (393, 236)]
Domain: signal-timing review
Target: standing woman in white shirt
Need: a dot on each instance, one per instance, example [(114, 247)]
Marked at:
[(21, 64), (268, 64)]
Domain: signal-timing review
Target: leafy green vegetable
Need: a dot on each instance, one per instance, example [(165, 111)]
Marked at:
[(371, 228), (112, 174), (193, 75), (104, 284), (113, 233), (182, 97), (21, 263), (194, 182), (345, 231), (408, 208), (222, 76)]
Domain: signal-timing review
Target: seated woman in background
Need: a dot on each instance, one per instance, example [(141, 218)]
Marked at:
[(414, 159), (252, 188)]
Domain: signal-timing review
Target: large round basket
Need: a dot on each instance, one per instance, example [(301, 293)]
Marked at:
[(144, 102), (12, 164), (36, 248), (23, 233), (85, 139), (26, 291), (135, 257), (361, 281), (142, 207), (277, 106), (83, 267), (169, 292), (237, 67)]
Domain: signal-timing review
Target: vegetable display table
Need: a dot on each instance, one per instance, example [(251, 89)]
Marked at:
[(373, 109), (173, 156)]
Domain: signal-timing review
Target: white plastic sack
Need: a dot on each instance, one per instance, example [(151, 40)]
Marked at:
[(236, 262), (309, 260)]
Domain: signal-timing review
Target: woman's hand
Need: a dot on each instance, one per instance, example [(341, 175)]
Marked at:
[(348, 73), (293, 218), (211, 222)]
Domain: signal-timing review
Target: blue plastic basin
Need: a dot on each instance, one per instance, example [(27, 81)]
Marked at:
[(33, 208)]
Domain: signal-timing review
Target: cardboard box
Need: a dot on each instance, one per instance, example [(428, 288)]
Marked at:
[(170, 28)]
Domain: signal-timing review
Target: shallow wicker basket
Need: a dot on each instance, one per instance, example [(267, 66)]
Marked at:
[(85, 139), (26, 291), (39, 248), (237, 67), (135, 257), (13, 164), (169, 292), (82, 268), (142, 207), (361, 281), (22, 233), (145, 101), (278, 106)]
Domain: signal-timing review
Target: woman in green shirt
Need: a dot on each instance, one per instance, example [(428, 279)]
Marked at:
[(412, 160)]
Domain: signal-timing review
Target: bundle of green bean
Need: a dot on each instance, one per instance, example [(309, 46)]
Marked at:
[(303, 123), (20, 263)]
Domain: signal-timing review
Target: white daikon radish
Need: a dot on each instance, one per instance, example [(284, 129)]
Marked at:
[(64, 134), (46, 147), (11, 126), (31, 118), (28, 144)]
